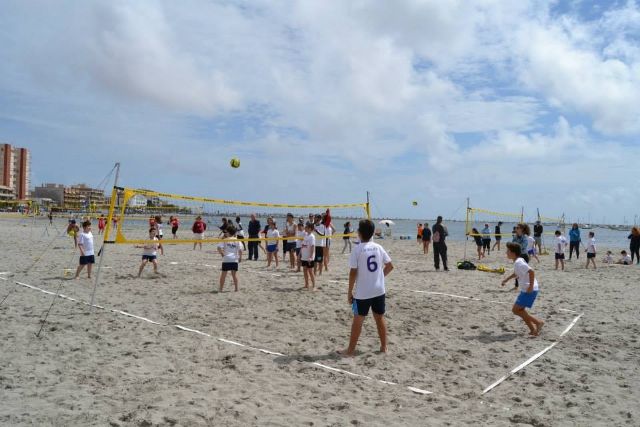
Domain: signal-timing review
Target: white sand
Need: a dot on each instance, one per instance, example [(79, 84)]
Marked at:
[(109, 369)]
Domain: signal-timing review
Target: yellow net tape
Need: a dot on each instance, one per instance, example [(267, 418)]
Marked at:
[(118, 213), (473, 210)]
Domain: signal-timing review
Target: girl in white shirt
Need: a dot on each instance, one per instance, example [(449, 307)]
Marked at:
[(272, 245)]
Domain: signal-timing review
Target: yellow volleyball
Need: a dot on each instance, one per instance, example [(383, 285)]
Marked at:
[(235, 162)]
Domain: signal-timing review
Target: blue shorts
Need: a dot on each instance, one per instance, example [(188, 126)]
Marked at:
[(87, 259), (149, 257), (319, 254), (361, 306), (272, 248), (526, 299)]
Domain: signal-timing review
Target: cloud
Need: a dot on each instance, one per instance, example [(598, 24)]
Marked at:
[(328, 99)]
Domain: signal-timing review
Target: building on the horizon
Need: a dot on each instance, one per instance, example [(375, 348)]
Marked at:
[(79, 196), (15, 170)]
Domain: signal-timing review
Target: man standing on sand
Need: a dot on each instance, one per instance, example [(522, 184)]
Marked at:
[(537, 236), (439, 246), (254, 233)]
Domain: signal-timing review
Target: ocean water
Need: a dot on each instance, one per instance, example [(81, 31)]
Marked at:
[(605, 238)]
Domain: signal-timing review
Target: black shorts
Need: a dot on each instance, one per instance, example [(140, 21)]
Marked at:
[(285, 246), (361, 306), (559, 256), (87, 259), (319, 253), (149, 257), (327, 242), (498, 238), (590, 255), (229, 266), (289, 246), (298, 251), (174, 230), (308, 264)]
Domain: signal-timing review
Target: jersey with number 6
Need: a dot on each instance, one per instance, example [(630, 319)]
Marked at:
[(369, 258)]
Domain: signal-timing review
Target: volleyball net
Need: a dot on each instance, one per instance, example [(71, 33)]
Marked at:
[(132, 211), (477, 218)]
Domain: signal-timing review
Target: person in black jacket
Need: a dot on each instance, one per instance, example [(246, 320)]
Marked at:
[(439, 246), (254, 232), (634, 244)]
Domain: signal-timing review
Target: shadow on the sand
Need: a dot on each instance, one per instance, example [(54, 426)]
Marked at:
[(488, 338), (306, 358)]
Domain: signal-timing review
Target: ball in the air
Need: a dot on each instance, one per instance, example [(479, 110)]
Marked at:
[(235, 162)]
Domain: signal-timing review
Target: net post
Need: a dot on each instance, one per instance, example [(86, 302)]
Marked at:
[(466, 228), (522, 215), (103, 249), (368, 207)]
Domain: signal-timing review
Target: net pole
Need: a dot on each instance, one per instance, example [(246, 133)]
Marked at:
[(368, 208), (466, 228), (103, 250), (522, 215)]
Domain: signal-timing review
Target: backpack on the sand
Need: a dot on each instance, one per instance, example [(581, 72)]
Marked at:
[(466, 265)]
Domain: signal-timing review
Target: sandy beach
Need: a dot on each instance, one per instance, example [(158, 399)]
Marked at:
[(266, 354)]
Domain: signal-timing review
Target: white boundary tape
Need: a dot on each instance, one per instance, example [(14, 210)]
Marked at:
[(534, 357), (184, 328)]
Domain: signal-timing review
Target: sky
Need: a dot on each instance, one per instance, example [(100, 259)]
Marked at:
[(509, 103)]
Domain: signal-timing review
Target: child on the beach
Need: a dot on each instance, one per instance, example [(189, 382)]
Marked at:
[(159, 234), (198, 228), (231, 255), (529, 285), (290, 230), (591, 250), (300, 233), (560, 244), (347, 239), (102, 221), (625, 258), (320, 233), (478, 239), (85, 244), (73, 230), (272, 245), (174, 222), (426, 239), (369, 264), (608, 258), (150, 252), (307, 255), (531, 248)]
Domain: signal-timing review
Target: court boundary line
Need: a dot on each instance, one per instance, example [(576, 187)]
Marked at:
[(219, 339)]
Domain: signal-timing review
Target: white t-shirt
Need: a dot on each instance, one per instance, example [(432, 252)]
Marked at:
[(521, 269), (307, 251), (626, 259), (159, 228), (231, 250), (300, 233), (272, 233), (290, 229), (559, 244), (321, 231), (532, 242), (150, 249), (86, 240), (369, 258), (591, 248)]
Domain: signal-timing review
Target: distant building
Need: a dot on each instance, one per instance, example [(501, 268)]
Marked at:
[(54, 192), (15, 170), (79, 196), (138, 201), (6, 193)]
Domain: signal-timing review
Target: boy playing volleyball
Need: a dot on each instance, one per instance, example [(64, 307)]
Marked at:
[(369, 264), (85, 244), (231, 256), (529, 288), (150, 252), (307, 254)]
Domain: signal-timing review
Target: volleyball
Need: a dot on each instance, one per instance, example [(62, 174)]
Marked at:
[(235, 162), (414, 203)]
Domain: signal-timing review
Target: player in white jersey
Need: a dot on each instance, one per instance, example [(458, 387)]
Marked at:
[(231, 252), (307, 255), (150, 252), (369, 264)]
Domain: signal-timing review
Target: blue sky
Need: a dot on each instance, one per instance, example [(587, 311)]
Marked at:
[(532, 103)]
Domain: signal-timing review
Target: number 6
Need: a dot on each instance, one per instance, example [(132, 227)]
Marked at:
[(371, 264)]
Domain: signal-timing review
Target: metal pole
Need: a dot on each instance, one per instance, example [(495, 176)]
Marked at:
[(103, 251), (368, 207), (466, 230)]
